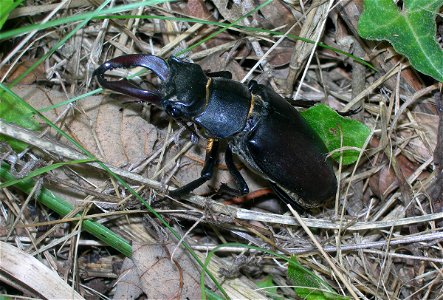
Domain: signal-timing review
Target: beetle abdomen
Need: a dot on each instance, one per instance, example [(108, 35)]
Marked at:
[(289, 153)]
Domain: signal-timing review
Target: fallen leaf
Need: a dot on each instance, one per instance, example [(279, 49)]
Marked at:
[(18, 69), (385, 181), (111, 130), (423, 146), (165, 278), (198, 9), (128, 283)]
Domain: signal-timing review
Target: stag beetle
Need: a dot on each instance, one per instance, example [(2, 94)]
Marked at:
[(260, 127)]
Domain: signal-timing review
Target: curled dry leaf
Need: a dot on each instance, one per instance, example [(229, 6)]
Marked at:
[(423, 145), (420, 147), (385, 180), (162, 277)]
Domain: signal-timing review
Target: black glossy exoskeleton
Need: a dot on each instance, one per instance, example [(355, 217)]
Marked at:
[(261, 127)]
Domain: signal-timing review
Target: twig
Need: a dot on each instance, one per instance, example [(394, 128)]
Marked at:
[(437, 189), (436, 236)]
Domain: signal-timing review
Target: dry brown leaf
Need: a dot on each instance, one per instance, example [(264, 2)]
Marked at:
[(275, 15), (386, 179), (281, 56), (109, 129), (162, 278), (18, 69), (121, 133), (424, 147), (128, 283), (198, 9)]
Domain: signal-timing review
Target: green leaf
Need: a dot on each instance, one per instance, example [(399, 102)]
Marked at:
[(308, 285), (330, 126), (13, 110), (411, 31)]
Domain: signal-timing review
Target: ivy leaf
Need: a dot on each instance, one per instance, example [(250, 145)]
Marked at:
[(411, 31), (332, 128)]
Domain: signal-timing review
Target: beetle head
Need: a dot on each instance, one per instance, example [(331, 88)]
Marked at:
[(184, 91)]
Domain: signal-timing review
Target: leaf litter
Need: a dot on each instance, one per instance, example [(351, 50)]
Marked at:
[(379, 260)]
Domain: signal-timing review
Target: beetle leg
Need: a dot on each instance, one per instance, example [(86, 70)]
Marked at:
[(350, 112), (239, 180), (302, 102), (310, 103), (282, 195), (206, 173), (253, 86), (151, 62), (223, 74)]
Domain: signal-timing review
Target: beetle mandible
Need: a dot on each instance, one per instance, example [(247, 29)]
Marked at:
[(260, 127)]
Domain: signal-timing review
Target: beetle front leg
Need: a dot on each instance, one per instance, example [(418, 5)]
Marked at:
[(206, 173), (239, 180)]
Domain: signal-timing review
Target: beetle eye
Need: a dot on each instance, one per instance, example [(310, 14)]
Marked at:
[(174, 111)]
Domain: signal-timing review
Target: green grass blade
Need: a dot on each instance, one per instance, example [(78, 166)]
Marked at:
[(76, 18), (63, 208), (44, 170)]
